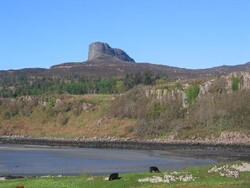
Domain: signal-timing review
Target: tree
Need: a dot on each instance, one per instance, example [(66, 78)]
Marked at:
[(119, 86), (147, 78)]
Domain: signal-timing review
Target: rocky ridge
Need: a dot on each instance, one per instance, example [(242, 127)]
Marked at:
[(104, 60), (100, 50)]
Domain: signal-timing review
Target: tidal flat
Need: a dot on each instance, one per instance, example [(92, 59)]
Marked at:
[(39, 161), (233, 174)]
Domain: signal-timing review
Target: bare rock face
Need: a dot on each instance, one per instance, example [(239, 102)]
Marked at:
[(100, 50)]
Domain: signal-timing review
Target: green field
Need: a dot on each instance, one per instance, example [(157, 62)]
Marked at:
[(224, 175)]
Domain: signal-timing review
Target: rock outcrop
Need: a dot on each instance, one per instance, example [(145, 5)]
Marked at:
[(99, 50), (219, 85)]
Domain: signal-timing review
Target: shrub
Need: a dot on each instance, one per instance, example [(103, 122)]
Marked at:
[(62, 119), (150, 128), (235, 83), (227, 110), (129, 129), (192, 93), (130, 105)]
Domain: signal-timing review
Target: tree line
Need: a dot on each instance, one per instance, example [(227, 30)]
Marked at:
[(21, 85)]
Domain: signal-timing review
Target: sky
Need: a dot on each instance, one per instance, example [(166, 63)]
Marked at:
[(182, 33)]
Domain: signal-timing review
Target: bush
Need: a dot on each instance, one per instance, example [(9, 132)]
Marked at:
[(235, 83), (151, 128), (129, 129), (130, 105), (192, 93), (227, 110), (63, 119)]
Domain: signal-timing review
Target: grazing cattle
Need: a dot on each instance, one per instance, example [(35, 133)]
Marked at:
[(113, 176), (154, 169)]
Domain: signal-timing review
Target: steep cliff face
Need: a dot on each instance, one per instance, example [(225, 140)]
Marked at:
[(100, 50), (223, 84)]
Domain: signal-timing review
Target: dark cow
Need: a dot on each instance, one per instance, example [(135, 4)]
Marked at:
[(154, 169), (113, 176)]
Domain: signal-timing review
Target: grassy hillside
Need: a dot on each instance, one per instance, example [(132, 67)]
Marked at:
[(182, 111), (60, 116), (197, 109)]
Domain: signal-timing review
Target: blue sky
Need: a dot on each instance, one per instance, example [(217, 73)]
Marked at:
[(181, 33)]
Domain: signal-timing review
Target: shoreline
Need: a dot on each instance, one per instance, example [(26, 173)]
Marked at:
[(121, 143), (229, 175)]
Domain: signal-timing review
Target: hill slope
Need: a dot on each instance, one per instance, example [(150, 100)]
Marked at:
[(107, 71), (211, 110)]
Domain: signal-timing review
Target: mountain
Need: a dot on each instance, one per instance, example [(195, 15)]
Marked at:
[(100, 50), (226, 69), (106, 61)]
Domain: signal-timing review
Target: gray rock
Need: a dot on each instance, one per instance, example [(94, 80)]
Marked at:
[(100, 50), (120, 54)]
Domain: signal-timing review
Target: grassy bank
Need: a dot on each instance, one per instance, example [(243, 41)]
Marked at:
[(64, 116), (235, 174)]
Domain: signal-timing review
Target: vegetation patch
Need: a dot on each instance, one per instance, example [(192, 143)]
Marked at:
[(235, 83), (169, 108), (192, 93)]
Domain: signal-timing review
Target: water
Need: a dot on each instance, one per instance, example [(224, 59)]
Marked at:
[(37, 160)]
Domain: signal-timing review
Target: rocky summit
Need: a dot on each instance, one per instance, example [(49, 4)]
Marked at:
[(100, 50)]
